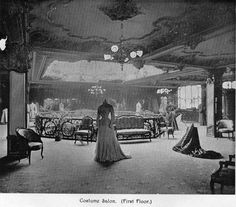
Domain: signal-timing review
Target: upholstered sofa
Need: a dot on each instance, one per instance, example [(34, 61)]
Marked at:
[(130, 127)]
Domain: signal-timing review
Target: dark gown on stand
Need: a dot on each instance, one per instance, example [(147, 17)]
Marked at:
[(107, 146)]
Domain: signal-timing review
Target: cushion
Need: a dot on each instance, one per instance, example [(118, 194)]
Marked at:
[(83, 131), (30, 135), (35, 145), (133, 131), (225, 123), (222, 130), (130, 122), (166, 128), (225, 175), (86, 123)]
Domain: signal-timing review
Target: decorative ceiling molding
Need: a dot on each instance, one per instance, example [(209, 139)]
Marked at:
[(181, 82), (166, 76), (215, 51), (164, 45), (195, 38), (176, 66), (212, 62), (195, 18), (70, 56)]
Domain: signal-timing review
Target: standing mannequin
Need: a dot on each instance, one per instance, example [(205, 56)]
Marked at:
[(163, 105), (4, 117), (61, 106), (33, 110), (138, 107), (107, 146)]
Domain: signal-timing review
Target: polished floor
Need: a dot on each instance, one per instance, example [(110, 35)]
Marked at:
[(154, 169)]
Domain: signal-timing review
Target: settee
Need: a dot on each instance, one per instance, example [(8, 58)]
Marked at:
[(131, 127)]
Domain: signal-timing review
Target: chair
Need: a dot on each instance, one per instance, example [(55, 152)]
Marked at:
[(86, 129), (225, 126), (32, 139), (225, 175), (165, 127)]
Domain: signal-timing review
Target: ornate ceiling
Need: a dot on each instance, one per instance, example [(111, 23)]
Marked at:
[(175, 35), (83, 26)]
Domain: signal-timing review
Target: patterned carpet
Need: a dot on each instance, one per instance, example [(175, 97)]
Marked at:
[(154, 169)]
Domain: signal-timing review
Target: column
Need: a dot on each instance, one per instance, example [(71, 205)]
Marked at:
[(210, 107), (17, 107), (203, 103), (218, 92)]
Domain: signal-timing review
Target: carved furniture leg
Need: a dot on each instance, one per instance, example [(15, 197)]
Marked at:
[(221, 188), (42, 152), (75, 139), (212, 186), (29, 151)]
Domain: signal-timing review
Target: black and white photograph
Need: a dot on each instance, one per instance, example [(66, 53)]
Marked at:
[(117, 102)]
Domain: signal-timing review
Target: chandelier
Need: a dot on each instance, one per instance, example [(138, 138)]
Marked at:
[(96, 90), (229, 85), (121, 54), (163, 90)]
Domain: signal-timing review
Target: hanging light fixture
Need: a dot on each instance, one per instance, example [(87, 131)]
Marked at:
[(96, 90), (121, 54), (229, 85)]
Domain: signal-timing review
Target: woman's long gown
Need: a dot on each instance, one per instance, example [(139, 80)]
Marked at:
[(107, 146)]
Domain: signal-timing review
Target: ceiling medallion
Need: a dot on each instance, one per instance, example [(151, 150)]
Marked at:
[(121, 10)]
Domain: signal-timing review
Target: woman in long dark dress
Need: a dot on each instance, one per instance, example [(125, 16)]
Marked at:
[(107, 146)]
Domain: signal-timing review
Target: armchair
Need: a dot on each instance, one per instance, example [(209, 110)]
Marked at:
[(225, 126), (225, 175), (32, 141), (86, 129)]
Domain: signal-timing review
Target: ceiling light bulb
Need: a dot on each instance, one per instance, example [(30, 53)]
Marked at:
[(107, 57), (133, 54), (139, 53), (234, 84), (3, 44), (226, 85), (126, 60), (114, 48)]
